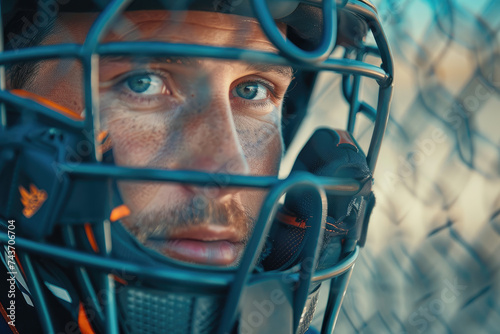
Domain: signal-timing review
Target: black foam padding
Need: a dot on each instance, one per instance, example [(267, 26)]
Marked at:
[(327, 153), (287, 241)]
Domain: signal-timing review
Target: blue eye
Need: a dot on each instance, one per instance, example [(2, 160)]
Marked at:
[(146, 84), (251, 91)]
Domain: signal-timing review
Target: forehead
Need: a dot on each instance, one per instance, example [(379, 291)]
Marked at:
[(206, 28)]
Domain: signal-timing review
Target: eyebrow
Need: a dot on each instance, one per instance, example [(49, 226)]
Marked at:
[(281, 70)]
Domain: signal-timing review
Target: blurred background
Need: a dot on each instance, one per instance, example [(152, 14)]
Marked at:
[(431, 262)]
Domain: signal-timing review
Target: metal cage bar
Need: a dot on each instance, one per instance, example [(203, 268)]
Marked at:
[(290, 50), (335, 299), (150, 48), (38, 294)]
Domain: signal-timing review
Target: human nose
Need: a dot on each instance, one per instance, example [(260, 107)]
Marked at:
[(213, 141)]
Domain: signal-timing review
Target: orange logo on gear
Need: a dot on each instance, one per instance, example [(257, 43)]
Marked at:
[(32, 200)]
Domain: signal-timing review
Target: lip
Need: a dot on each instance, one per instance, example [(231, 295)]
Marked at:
[(209, 245), (207, 233)]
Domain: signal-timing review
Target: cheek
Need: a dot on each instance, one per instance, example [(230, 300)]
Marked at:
[(262, 146), (142, 140), (253, 200), (136, 139)]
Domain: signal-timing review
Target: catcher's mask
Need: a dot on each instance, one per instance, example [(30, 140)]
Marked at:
[(79, 253)]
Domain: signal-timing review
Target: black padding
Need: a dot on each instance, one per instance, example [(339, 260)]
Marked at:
[(327, 153), (152, 311)]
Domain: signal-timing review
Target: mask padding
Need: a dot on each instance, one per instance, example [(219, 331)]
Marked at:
[(151, 311), (327, 153)]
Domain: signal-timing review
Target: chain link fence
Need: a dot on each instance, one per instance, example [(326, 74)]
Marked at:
[(431, 260)]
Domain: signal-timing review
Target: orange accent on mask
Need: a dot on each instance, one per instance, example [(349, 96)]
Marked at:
[(119, 212), (19, 264), (102, 135), (48, 103), (120, 280), (334, 228), (32, 200), (83, 321), (103, 138), (104, 141), (116, 214), (91, 237), (290, 219), (345, 138), (287, 217), (7, 319)]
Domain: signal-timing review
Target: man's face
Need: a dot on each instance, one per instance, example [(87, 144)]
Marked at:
[(188, 114)]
